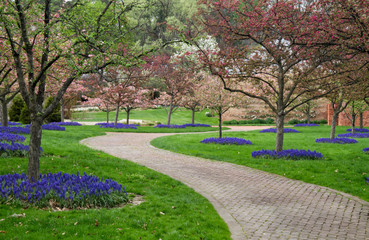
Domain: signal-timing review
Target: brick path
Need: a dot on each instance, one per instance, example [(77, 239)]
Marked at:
[(254, 204)]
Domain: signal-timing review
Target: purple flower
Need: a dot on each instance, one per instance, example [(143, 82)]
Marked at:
[(227, 141), (354, 135), (169, 126), (119, 125), (66, 123), (336, 140), (16, 130), (367, 180), (307, 125), (362, 130), (293, 154), (53, 127), (9, 137), (68, 190), (366, 150), (274, 130)]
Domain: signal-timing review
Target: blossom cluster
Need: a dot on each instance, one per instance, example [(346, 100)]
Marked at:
[(366, 150), (227, 141), (16, 130), (293, 154), (10, 143), (119, 125), (354, 135), (13, 123), (336, 140), (274, 130), (66, 123), (307, 125), (358, 130), (67, 190), (196, 125), (169, 126)]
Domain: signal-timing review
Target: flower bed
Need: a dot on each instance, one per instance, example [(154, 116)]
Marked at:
[(336, 140), (14, 149), (307, 125), (367, 180), (274, 130), (66, 123), (293, 154), (227, 141), (119, 125), (53, 127), (366, 150), (10, 137), (169, 126), (196, 125), (16, 130), (361, 130), (13, 124), (354, 135), (61, 190)]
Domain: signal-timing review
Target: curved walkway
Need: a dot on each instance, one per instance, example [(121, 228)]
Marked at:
[(254, 204)]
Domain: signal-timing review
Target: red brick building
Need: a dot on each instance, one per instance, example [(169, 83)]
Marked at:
[(344, 121)]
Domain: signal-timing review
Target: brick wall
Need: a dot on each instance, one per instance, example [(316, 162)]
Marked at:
[(344, 121)]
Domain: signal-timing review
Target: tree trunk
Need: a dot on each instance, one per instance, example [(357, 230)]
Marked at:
[(280, 128), (107, 114), (353, 116), (62, 113), (333, 125), (220, 125), (34, 148), (116, 115), (308, 118), (128, 111), (170, 110), (4, 113), (193, 115), (361, 120)]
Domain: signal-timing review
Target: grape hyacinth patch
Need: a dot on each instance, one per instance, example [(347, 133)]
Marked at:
[(274, 130), (119, 125), (196, 125), (361, 130), (307, 125), (13, 124), (66, 123), (10, 137), (227, 141), (169, 126), (354, 135), (366, 150), (14, 149), (336, 140), (367, 180), (293, 154), (53, 127), (62, 189), (16, 130)]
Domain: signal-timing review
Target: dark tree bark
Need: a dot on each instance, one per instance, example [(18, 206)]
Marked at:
[(170, 110), (4, 112), (116, 115), (280, 128), (34, 147), (193, 115), (128, 110), (361, 119), (107, 115), (220, 124)]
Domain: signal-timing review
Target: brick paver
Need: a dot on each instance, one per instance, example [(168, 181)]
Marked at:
[(254, 204)]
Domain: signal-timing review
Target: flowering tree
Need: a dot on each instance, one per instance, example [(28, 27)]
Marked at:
[(176, 76), (216, 98), (86, 36), (259, 54)]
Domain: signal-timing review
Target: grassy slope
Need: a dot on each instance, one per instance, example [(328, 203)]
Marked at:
[(187, 214), (343, 168), (181, 116)]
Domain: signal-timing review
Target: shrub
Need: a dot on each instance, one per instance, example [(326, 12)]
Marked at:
[(294, 121), (293, 154), (354, 135), (208, 114), (25, 115), (55, 116), (336, 140), (227, 141), (61, 190), (16, 108), (231, 122), (274, 130)]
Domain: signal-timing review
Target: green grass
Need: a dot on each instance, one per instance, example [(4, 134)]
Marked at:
[(344, 167), (187, 215), (181, 116), (145, 129)]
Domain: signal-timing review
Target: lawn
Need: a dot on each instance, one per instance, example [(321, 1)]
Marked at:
[(170, 210), (149, 129), (344, 167), (181, 116)]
